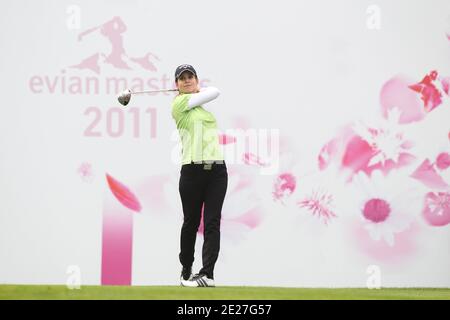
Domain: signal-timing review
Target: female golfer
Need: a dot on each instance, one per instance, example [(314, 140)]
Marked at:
[(203, 176)]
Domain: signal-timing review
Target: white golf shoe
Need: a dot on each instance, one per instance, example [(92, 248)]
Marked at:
[(199, 280)]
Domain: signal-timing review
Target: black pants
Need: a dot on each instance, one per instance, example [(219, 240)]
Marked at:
[(201, 184)]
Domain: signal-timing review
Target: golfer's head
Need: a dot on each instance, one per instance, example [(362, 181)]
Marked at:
[(186, 78)]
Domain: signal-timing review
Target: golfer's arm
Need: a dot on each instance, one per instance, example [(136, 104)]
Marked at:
[(204, 96)]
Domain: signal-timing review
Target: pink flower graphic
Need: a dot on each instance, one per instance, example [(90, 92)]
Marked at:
[(85, 172), (436, 211), (285, 183), (321, 194), (367, 146), (284, 186), (388, 144), (386, 140), (320, 204), (386, 204)]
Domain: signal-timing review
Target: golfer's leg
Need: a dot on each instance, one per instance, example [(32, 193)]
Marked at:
[(214, 198), (191, 192)]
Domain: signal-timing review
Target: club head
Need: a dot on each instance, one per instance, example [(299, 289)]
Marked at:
[(124, 97)]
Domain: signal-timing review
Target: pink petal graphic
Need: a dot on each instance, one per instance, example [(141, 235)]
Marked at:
[(426, 174), (357, 154), (123, 194), (443, 161), (436, 209), (396, 93)]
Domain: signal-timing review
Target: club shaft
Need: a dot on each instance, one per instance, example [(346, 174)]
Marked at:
[(153, 91)]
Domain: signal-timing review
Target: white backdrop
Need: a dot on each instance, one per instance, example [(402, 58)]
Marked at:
[(361, 172)]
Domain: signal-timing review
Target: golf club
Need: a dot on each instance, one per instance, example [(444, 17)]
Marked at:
[(125, 96)]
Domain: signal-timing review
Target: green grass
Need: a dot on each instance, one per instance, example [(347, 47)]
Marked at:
[(223, 293)]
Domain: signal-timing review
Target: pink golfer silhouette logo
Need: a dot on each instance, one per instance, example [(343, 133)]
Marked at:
[(118, 57)]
